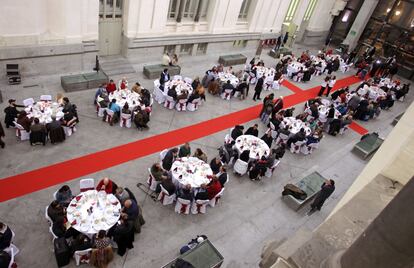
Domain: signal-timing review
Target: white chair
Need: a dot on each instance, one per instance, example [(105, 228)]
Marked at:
[(177, 77), (99, 110), (282, 139), (240, 167), (152, 183), (163, 153), (69, 130), (165, 198), (228, 139), (199, 206), (28, 102), (47, 216), (226, 95), (276, 84), (109, 115), (55, 195), (125, 120), (21, 133), (181, 105), (295, 147), (213, 202), (193, 106), (82, 256), (169, 102), (268, 82), (273, 130), (53, 234), (158, 93), (182, 206), (342, 130), (46, 97), (11, 257), (87, 184), (188, 80), (269, 171)]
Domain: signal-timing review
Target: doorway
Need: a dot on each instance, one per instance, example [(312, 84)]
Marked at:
[(110, 27)]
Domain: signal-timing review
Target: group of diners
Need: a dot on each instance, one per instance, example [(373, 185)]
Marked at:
[(183, 94), (41, 120), (119, 103), (301, 133), (112, 215), (303, 68), (248, 153), (188, 179), (7, 249)]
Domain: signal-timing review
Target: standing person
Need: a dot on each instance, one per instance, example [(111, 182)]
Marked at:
[(285, 39), (11, 113), (327, 188), (331, 84), (278, 43), (2, 144), (258, 89), (164, 76), (277, 105), (323, 86)]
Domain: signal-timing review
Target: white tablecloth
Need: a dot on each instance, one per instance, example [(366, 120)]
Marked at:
[(224, 77), (126, 96), (265, 72), (294, 67), (105, 212), (257, 147), (180, 87), (44, 111), (191, 170), (295, 125)]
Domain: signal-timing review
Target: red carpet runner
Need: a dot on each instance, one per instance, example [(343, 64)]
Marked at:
[(38, 179)]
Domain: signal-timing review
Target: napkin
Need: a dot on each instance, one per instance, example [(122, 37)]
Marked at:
[(78, 197), (73, 222), (73, 205), (115, 203)]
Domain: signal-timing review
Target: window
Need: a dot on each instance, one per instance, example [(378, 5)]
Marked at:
[(240, 43), (173, 9), (292, 10), (190, 9), (244, 9), (110, 9), (204, 9), (186, 49), (202, 49), (309, 10)]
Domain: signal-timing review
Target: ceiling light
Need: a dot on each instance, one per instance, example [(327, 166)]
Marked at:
[(397, 13)]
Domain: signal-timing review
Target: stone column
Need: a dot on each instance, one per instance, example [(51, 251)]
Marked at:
[(360, 22), (180, 10), (389, 240), (300, 13), (197, 16)]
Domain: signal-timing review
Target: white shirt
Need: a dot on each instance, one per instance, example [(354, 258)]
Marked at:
[(332, 82), (324, 84)]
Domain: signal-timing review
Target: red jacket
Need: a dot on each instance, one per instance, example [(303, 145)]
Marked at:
[(213, 189), (108, 189), (110, 87)]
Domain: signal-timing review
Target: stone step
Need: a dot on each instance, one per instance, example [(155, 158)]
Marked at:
[(114, 65)]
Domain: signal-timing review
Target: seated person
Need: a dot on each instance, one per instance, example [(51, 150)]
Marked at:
[(56, 132), (183, 95), (130, 209), (5, 259), (227, 86), (268, 139), (146, 97), (169, 158), (136, 88), (55, 211), (185, 150), (168, 185), (64, 195), (236, 132), (158, 172), (123, 234), (141, 118), (300, 136), (335, 126), (200, 155), (125, 109), (280, 151), (214, 87), (6, 236), (69, 119), (81, 242), (102, 253), (252, 131), (213, 188), (113, 106), (59, 229), (37, 132), (24, 121), (106, 185), (222, 175), (193, 96), (122, 195), (245, 156), (172, 92), (258, 169), (11, 113), (185, 193), (215, 165), (201, 193), (111, 86)]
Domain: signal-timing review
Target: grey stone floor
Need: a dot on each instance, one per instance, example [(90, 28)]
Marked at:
[(250, 213)]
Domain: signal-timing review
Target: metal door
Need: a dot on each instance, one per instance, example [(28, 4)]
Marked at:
[(110, 27)]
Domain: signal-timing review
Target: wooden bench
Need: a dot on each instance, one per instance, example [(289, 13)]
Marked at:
[(311, 185), (154, 71), (204, 255), (83, 81), (282, 51), (397, 119), (230, 60), (368, 145)]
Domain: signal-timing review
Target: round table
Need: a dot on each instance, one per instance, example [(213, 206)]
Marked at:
[(224, 77), (257, 147), (180, 86), (294, 67), (295, 125), (123, 96), (324, 110), (264, 72), (92, 211), (191, 170), (44, 111), (375, 92)]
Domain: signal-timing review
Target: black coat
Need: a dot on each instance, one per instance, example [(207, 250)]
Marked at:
[(259, 85)]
